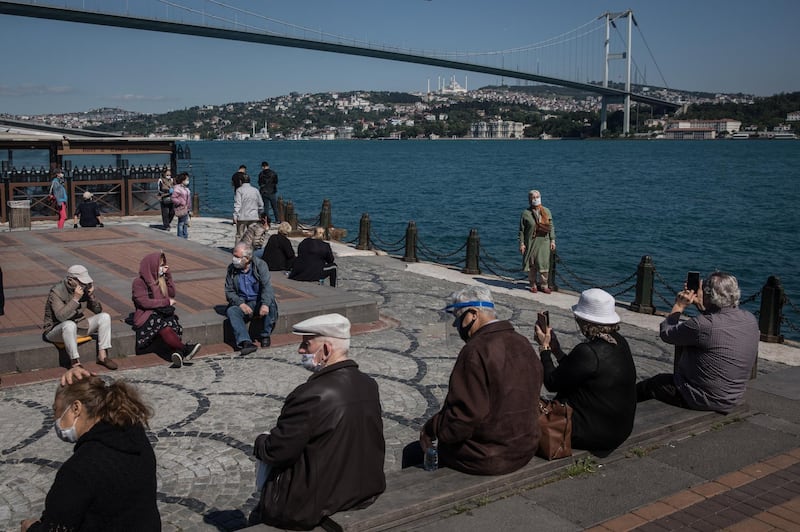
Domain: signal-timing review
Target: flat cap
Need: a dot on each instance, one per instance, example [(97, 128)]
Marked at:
[(80, 273), (330, 325)]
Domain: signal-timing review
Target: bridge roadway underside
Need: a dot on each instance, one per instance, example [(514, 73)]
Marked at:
[(33, 261)]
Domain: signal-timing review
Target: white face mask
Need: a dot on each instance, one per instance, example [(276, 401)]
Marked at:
[(536, 202), (238, 262), (161, 271), (308, 361), (69, 435)]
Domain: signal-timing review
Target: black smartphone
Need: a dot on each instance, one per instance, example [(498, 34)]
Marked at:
[(693, 281), (543, 320)]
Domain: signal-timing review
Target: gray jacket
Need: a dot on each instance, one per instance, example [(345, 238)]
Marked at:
[(266, 295)]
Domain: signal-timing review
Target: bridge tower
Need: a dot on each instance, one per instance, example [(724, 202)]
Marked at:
[(626, 55)]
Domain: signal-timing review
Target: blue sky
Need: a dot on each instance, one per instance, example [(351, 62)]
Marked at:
[(50, 66)]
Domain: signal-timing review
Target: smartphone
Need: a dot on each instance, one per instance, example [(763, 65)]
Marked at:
[(693, 281), (543, 320)]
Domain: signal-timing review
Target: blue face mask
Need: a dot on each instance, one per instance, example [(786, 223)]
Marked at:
[(308, 361)]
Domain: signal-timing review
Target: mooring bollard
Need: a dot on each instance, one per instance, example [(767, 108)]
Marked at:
[(325, 217), (771, 313), (363, 232), (471, 266), (291, 216), (411, 243), (196, 204), (281, 214), (645, 273), (551, 275)]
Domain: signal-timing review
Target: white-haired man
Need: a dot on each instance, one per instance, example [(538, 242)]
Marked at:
[(88, 212), (718, 349), (488, 422), (326, 451)]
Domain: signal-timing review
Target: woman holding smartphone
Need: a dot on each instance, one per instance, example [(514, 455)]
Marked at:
[(597, 379)]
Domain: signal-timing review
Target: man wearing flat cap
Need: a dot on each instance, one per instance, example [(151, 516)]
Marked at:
[(487, 424), (326, 451), (65, 319)]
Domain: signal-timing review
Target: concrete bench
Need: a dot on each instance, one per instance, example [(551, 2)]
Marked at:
[(414, 494)]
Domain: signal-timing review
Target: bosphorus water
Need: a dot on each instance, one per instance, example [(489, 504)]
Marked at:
[(728, 205)]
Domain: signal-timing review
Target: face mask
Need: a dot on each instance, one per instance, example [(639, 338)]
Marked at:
[(69, 435), (536, 202), (238, 262), (308, 361), (186, 183), (161, 271), (462, 332)]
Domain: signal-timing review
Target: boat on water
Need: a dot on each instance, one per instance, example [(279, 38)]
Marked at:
[(740, 136), (784, 136)]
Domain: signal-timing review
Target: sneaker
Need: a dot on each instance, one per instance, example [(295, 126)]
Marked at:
[(266, 341), (177, 360), (108, 363), (190, 350), (247, 348)]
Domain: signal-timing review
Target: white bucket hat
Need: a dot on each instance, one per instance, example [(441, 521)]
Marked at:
[(596, 306)]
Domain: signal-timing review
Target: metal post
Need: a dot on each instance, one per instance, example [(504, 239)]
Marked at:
[(771, 313), (628, 58), (281, 214), (473, 253), (363, 232), (551, 275), (196, 204), (411, 243), (325, 217), (291, 217), (644, 286)]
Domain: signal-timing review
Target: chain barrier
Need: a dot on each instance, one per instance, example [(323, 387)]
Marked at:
[(578, 278), (489, 269), (565, 282), (375, 238), (488, 261), (664, 299), (666, 285), (434, 254), (624, 291), (750, 299), (788, 301), (789, 324)]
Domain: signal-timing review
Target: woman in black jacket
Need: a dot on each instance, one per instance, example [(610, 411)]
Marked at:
[(109, 483), (314, 260), (597, 379), (279, 253)]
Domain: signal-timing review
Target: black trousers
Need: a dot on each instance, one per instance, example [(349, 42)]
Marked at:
[(662, 388)]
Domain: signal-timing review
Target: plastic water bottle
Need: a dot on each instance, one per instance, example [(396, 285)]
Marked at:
[(431, 462)]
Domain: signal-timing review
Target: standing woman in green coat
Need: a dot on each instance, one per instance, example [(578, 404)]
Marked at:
[(537, 238)]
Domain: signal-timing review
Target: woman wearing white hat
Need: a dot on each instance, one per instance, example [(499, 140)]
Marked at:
[(598, 377)]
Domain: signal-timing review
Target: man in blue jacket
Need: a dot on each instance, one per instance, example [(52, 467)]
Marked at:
[(248, 289)]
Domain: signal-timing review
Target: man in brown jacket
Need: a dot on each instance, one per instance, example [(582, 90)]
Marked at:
[(487, 425)]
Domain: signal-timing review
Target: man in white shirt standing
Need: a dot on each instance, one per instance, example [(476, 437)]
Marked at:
[(247, 205)]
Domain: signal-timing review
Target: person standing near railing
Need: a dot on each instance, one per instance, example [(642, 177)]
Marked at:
[(166, 187), (59, 192), (537, 238)]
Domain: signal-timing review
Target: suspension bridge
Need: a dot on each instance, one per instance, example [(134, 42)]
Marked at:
[(586, 58)]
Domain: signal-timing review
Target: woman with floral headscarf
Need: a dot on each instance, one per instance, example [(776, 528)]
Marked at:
[(154, 298)]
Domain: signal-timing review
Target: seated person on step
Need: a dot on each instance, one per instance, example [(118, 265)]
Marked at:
[(314, 260), (326, 451), (488, 422), (598, 377), (154, 298), (717, 349), (64, 318), (88, 212), (256, 235), (279, 253)]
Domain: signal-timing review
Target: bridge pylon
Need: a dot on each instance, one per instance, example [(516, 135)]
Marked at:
[(609, 56)]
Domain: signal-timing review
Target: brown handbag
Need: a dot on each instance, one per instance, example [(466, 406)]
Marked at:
[(555, 424)]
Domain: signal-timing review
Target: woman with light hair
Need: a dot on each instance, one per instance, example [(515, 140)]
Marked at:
[(597, 378), (315, 261), (88, 212), (109, 482), (279, 253)]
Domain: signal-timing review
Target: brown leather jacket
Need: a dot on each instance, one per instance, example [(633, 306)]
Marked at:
[(487, 425), (326, 450)]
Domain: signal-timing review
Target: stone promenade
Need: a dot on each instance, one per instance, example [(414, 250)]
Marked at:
[(208, 414)]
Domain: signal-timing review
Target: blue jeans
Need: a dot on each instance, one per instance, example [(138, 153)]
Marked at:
[(183, 223), (239, 319), (272, 200)]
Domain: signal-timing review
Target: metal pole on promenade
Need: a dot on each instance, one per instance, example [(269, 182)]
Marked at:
[(363, 232), (325, 217), (291, 216), (771, 313), (471, 266), (411, 243), (645, 273)]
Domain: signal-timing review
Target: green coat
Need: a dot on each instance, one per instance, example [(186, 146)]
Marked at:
[(538, 245)]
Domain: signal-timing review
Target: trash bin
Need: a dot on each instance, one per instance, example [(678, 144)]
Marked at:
[(19, 214)]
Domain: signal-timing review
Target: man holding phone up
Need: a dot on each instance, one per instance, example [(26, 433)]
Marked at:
[(718, 348), (64, 318)]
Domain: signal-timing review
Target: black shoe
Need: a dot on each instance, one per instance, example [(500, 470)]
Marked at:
[(190, 350), (247, 348), (266, 341)]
